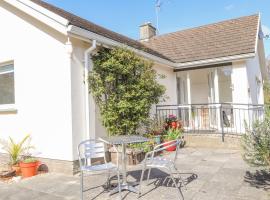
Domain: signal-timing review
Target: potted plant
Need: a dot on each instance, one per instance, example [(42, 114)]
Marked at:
[(16, 150), (155, 130), (29, 167), (172, 134)]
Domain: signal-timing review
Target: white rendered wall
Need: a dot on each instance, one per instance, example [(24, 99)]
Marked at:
[(78, 100), (42, 84), (77, 94), (255, 80), (239, 83), (169, 82)]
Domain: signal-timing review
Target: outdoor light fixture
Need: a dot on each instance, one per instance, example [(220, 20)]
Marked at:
[(227, 71)]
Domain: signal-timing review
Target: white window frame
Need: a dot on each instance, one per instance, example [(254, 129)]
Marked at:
[(8, 107)]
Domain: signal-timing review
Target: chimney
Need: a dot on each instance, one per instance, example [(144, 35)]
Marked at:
[(147, 31)]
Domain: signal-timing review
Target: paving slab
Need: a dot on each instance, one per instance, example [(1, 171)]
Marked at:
[(218, 174)]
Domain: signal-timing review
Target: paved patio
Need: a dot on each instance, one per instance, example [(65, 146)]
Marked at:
[(216, 174)]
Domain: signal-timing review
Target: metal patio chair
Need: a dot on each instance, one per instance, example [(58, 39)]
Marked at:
[(90, 150), (159, 162)]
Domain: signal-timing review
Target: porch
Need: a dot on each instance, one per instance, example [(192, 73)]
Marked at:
[(214, 118), (206, 85)]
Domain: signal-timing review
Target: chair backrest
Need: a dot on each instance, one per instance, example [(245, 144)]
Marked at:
[(90, 149), (166, 145)]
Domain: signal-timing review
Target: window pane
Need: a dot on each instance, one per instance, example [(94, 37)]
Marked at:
[(7, 85), (6, 69)]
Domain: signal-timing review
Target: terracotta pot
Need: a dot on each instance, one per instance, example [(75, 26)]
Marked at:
[(171, 148), (16, 168), (29, 169)]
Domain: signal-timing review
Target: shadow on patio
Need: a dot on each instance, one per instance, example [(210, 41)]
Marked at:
[(160, 178), (259, 179)]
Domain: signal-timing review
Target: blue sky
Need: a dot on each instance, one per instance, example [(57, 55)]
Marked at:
[(125, 16)]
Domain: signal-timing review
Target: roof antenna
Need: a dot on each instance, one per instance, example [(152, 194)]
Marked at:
[(158, 7), (159, 4)]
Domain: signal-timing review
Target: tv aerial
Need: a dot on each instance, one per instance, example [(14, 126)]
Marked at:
[(158, 5)]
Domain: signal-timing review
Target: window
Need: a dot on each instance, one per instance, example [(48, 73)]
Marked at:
[(7, 95)]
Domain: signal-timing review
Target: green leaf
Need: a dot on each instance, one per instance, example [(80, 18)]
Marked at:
[(124, 87)]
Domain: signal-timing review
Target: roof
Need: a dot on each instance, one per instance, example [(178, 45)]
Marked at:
[(222, 39), (90, 26)]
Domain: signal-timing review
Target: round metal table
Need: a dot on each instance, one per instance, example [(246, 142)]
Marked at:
[(124, 140)]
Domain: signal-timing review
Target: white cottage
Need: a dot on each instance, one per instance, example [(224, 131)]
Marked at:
[(45, 53)]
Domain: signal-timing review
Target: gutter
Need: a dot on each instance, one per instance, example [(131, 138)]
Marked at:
[(214, 61), (87, 54), (257, 33)]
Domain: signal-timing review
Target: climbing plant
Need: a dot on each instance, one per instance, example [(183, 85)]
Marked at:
[(124, 87)]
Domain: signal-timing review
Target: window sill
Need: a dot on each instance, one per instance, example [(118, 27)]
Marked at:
[(8, 108)]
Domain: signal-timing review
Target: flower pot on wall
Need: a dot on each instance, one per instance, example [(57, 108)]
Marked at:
[(171, 148), (29, 169)]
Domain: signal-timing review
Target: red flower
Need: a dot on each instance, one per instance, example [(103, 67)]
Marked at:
[(174, 124)]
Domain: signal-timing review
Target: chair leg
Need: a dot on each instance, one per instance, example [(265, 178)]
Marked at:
[(148, 176), (181, 178), (119, 183), (140, 184), (108, 180), (173, 179), (81, 185)]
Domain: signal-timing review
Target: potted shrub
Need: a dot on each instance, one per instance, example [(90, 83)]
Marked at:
[(29, 167), (172, 134), (16, 150)]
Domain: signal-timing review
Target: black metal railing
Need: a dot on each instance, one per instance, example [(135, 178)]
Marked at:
[(215, 118)]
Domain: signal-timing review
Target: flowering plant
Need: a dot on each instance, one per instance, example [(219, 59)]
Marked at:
[(172, 122), (173, 134)]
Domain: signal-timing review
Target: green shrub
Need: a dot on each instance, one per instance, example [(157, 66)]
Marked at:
[(266, 90), (124, 87), (256, 143)]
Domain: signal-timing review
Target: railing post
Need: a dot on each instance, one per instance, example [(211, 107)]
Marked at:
[(221, 123)]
